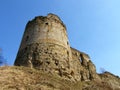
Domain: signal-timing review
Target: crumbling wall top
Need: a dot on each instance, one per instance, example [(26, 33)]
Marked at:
[(77, 51), (51, 17)]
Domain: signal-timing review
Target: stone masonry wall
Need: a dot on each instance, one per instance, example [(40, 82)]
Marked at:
[(83, 68), (45, 29), (45, 47), (46, 57)]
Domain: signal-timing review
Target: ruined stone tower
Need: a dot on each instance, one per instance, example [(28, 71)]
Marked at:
[(45, 47)]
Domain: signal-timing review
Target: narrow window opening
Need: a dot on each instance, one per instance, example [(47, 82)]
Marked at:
[(46, 23), (68, 53), (80, 59), (67, 43)]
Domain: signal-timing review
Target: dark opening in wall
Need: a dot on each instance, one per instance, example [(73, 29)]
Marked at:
[(56, 62), (67, 43), (46, 23), (27, 38), (68, 53), (81, 58)]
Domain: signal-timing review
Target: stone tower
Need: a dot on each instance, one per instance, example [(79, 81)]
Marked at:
[(45, 46)]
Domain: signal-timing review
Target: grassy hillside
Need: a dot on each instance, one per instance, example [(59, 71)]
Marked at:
[(23, 78)]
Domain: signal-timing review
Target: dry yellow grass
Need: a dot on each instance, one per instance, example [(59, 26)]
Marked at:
[(23, 78)]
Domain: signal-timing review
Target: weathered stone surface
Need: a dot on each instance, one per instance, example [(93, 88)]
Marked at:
[(45, 47), (83, 68)]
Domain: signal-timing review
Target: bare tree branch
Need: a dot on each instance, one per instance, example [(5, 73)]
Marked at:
[(2, 59)]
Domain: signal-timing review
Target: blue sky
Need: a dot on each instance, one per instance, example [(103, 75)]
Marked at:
[(93, 27)]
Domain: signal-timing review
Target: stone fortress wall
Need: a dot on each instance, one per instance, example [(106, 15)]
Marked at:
[(45, 46), (82, 66)]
